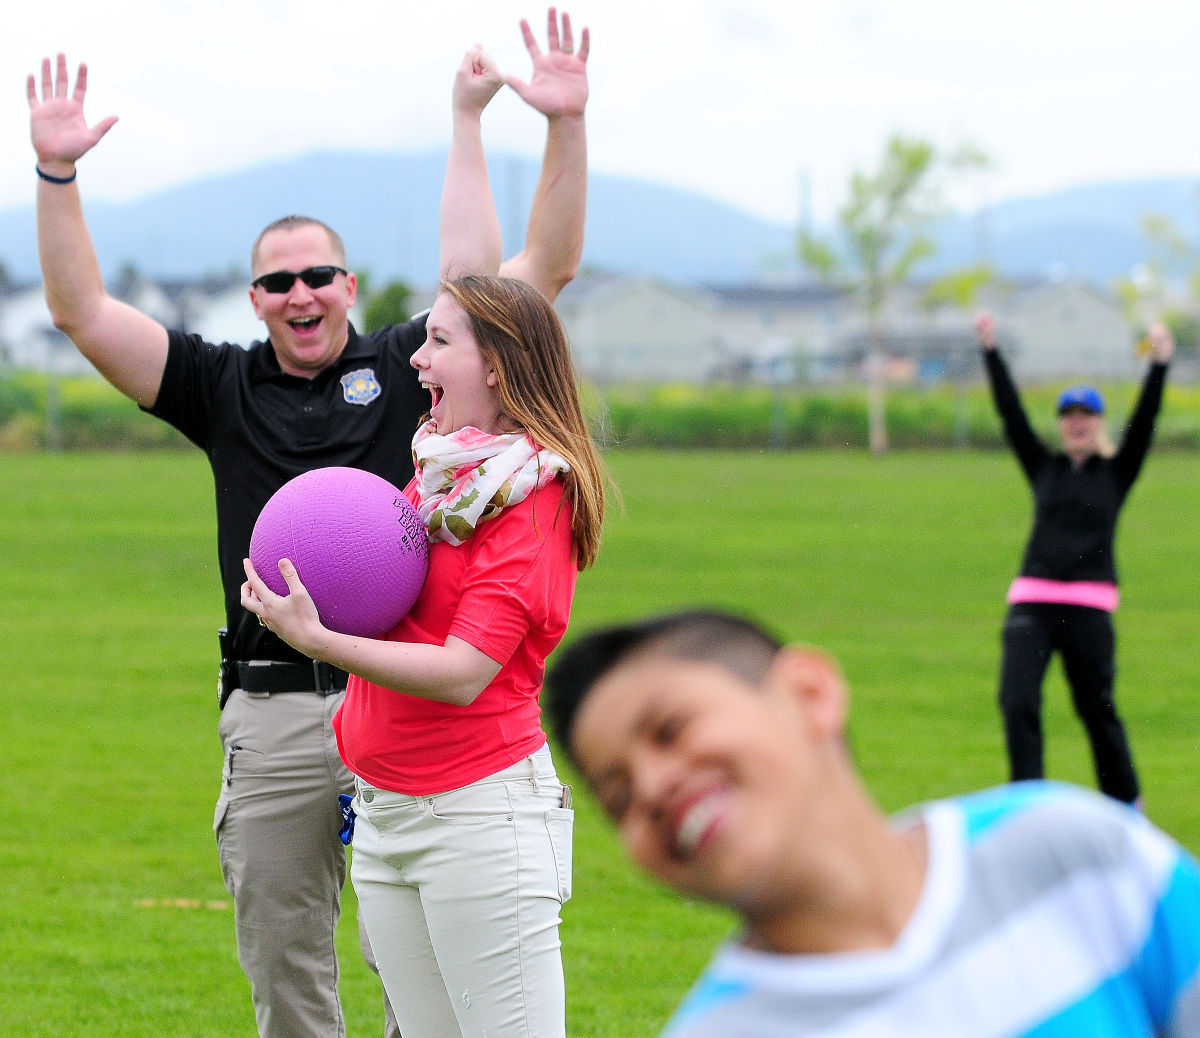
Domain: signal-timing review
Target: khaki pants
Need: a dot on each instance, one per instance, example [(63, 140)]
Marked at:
[(276, 824), (461, 892)]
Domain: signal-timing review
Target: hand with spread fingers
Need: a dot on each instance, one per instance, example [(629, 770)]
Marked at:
[(559, 85), (60, 133)]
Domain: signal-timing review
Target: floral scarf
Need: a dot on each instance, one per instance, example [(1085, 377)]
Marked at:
[(469, 476)]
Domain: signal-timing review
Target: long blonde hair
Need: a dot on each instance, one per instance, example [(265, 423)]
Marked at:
[(521, 338)]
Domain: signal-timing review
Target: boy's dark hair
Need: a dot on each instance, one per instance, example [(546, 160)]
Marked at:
[(703, 635)]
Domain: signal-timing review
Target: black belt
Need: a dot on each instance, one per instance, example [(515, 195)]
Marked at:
[(313, 676)]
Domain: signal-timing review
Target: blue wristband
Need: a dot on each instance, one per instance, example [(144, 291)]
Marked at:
[(54, 180)]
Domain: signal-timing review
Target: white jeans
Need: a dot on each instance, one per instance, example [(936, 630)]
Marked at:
[(460, 892)]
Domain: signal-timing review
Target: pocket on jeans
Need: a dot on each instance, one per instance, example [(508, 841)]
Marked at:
[(560, 824), (219, 812), (482, 803)]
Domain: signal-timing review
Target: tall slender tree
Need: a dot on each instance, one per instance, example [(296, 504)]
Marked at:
[(881, 234)]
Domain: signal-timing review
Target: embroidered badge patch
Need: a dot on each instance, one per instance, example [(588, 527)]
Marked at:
[(360, 387)]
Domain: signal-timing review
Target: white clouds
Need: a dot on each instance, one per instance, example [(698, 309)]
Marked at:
[(732, 98)]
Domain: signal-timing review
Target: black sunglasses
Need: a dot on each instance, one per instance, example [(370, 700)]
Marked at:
[(281, 281)]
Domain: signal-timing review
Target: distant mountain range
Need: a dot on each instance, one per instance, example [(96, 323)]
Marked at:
[(385, 205)]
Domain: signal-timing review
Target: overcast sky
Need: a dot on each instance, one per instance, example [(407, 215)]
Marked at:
[(743, 100)]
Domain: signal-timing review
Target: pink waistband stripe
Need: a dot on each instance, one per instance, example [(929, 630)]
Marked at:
[(1094, 594)]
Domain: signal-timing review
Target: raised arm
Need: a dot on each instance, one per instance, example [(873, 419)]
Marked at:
[(469, 231), (127, 347), (559, 90), (1026, 444), (1135, 443)]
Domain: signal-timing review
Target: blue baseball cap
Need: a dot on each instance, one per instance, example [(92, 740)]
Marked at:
[(1086, 397)]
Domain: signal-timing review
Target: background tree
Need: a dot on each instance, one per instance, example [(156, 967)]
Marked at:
[(1165, 286), (390, 305), (881, 234), (960, 288), (128, 278)]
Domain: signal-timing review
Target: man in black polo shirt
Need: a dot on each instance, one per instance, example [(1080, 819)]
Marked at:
[(315, 393)]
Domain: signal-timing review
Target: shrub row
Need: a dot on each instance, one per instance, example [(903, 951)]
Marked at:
[(940, 417), (38, 412), (87, 413)]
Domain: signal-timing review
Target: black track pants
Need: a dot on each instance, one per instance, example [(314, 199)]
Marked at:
[(1084, 639)]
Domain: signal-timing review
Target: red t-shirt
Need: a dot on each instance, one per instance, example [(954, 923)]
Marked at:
[(507, 591)]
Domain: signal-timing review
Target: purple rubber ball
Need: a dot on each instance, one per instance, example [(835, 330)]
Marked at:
[(357, 543)]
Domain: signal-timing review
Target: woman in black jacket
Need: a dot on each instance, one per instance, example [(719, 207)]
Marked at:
[(1065, 594)]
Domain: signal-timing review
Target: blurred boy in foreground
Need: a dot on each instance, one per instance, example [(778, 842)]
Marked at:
[(1031, 909)]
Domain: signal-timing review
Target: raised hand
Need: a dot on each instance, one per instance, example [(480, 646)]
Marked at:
[(476, 82), (559, 85), (985, 330), (57, 127), (1162, 342)]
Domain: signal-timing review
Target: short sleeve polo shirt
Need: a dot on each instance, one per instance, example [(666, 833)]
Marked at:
[(260, 427)]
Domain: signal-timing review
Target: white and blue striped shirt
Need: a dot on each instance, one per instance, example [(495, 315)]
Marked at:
[(1047, 912)]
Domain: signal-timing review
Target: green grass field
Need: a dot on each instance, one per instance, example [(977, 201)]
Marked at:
[(113, 919)]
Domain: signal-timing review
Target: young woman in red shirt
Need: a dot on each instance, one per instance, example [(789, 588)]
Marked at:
[(462, 841)]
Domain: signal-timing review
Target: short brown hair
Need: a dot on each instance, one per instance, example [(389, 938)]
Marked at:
[(291, 223)]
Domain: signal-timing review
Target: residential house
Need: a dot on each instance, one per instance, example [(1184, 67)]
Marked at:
[(1067, 330), (774, 333), (218, 309), (1049, 330), (28, 338), (640, 329), (643, 329)]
